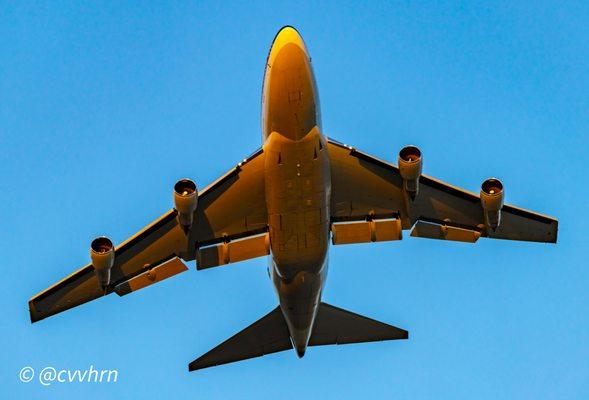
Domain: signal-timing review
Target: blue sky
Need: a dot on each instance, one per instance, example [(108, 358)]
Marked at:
[(104, 106)]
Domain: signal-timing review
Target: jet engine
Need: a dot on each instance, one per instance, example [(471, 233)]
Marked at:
[(492, 195), (185, 201), (410, 169), (102, 253)]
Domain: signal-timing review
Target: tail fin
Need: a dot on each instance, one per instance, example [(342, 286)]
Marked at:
[(270, 335), (337, 326)]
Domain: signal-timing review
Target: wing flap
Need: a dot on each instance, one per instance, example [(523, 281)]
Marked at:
[(164, 270), (366, 231), (430, 230), (233, 251)]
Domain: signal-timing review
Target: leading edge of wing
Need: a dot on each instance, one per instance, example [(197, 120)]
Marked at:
[(425, 179), (235, 170)]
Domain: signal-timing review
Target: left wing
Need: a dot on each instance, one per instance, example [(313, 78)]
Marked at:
[(365, 188), (230, 211)]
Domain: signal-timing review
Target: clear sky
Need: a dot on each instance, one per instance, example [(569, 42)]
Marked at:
[(104, 106)]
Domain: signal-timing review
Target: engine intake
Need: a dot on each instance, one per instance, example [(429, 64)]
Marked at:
[(492, 196), (102, 253), (410, 164), (185, 201)]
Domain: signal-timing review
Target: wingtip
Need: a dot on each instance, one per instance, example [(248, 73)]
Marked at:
[(33, 314)]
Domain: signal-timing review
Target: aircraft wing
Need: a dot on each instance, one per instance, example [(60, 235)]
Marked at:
[(232, 209), (365, 188)]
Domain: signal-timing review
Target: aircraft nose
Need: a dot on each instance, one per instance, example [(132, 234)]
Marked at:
[(289, 87), (289, 53), (287, 35)]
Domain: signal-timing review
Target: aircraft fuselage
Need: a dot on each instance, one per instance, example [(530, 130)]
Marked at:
[(297, 183)]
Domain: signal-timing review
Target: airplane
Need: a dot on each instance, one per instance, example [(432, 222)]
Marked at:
[(288, 200)]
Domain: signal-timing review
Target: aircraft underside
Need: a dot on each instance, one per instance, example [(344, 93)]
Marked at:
[(289, 200)]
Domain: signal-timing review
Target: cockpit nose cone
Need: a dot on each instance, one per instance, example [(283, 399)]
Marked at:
[(288, 34), (290, 96)]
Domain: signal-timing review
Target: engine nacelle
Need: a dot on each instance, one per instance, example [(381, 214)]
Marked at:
[(185, 201), (492, 196), (410, 164), (102, 253)]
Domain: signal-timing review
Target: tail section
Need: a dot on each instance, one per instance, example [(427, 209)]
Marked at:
[(270, 335), (265, 336), (337, 326)]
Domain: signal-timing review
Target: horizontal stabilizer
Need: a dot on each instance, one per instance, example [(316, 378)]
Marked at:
[(270, 335), (336, 326), (265, 336)]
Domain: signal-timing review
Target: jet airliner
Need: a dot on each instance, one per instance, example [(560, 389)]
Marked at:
[(292, 198)]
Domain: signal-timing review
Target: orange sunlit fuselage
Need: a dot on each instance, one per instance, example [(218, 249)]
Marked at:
[(297, 183)]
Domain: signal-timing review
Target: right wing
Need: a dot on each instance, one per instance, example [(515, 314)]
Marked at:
[(232, 209), (366, 188)]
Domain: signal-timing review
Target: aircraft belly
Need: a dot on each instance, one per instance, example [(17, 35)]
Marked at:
[(297, 185)]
